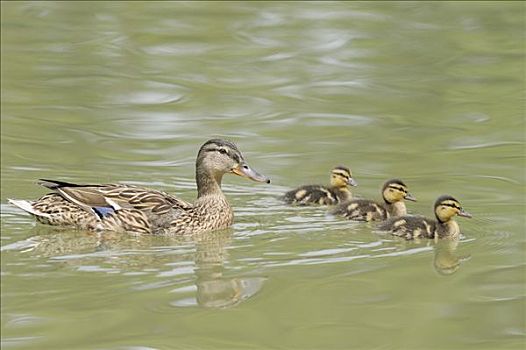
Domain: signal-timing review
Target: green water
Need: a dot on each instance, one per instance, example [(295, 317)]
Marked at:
[(432, 93)]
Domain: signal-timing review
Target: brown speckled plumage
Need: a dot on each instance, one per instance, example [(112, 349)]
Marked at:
[(119, 207), (394, 192), (410, 227)]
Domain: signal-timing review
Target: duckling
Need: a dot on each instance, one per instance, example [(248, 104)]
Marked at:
[(338, 191), (394, 192), (119, 207), (410, 227)]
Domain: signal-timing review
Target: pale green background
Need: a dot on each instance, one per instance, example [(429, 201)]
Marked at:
[(432, 93)]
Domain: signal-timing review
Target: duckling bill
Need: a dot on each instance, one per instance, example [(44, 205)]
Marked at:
[(337, 192), (446, 208), (394, 192), (119, 207)]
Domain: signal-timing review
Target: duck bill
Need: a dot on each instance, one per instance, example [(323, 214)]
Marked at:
[(244, 170), (410, 197), (464, 214), (352, 182)]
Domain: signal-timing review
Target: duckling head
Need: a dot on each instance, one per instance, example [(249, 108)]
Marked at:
[(217, 157), (341, 177), (395, 190), (446, 207)]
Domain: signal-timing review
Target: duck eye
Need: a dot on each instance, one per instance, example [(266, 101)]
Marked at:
[(223, 151)]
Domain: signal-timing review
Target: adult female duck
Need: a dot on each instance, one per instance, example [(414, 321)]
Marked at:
[(119, 207)]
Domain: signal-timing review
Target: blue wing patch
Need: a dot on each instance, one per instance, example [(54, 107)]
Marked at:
[(103, 211)]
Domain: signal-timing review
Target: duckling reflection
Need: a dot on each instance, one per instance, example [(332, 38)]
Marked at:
[(445, 261), (176, 261)]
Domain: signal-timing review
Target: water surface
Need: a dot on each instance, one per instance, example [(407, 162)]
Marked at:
[(127, 92)]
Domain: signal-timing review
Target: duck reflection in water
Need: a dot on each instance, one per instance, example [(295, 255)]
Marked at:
[(445, 261), (214, 289), (176, 261)]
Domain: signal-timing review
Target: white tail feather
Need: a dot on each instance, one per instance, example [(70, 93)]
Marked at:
[(27, 206)]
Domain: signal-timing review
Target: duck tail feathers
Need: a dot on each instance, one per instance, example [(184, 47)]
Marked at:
[(27, 206)]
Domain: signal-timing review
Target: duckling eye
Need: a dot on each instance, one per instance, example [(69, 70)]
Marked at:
[(223, 151)]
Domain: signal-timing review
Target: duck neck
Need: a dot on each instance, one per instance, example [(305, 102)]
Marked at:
[(208, 183), (449, 229), (342, 193), (396, 209)]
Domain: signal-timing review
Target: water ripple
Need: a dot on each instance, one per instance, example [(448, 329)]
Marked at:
[(106, 92), (486, 145)]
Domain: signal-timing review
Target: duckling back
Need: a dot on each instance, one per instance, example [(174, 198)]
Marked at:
[(337, 192), (409, 227), (315, 195), (361, 210)]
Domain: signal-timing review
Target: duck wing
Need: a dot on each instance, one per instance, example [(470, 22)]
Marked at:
[(117, 196)]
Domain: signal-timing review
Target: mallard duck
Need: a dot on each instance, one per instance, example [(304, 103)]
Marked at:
[(337, 192), (119, 207), (394, 192), (410, 227)]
